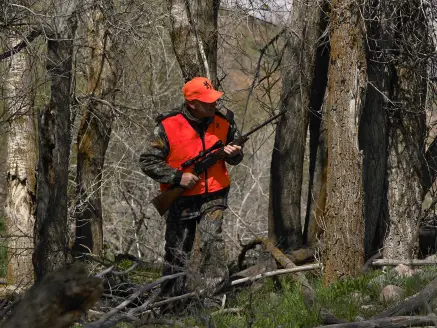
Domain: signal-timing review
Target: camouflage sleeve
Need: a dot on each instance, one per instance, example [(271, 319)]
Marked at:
[(152, 161), (234, 133)]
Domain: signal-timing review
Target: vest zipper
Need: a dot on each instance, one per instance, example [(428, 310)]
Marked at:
[(202, 138)]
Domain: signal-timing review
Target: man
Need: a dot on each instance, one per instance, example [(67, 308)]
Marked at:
[(193, 234)]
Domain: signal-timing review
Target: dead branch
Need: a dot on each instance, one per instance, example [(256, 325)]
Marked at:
[(238, 282), (23, 44), (57, 301), (225, 311), (172, 323), (131, 298), (392, 322), (276, 273)]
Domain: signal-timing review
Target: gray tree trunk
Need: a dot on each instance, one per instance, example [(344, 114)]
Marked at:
[(21, 160), (54, 130), (285, 226), (343, 253), (193, 34), (407, 128), (95, 127)]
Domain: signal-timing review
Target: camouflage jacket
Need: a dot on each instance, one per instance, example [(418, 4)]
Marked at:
[(153, 163)]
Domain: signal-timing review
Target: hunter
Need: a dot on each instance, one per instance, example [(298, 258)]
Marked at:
[(193, 237)]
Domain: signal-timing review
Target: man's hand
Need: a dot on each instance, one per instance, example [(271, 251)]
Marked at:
[(189, 180), (232, 150)]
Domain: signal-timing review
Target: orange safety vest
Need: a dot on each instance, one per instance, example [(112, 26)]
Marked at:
[(185, 144)]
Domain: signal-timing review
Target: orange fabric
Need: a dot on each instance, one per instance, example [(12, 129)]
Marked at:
[(185, 143), (200, 88)]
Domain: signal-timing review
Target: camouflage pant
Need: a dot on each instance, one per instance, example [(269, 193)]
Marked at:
[(197, 247)]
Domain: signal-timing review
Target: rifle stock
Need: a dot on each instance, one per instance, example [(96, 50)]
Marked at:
[(164, 200)]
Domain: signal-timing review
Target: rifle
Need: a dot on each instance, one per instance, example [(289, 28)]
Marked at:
[(201, 163)]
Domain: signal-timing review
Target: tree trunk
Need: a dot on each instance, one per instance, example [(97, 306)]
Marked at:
[(95, 128), (193, 34), (54, 129), (344, 220), (285, 227), (407, 128), (21, 159), (318, 159), (373, 135), (317, 195)]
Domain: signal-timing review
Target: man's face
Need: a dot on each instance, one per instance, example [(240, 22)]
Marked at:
[(201, 109)]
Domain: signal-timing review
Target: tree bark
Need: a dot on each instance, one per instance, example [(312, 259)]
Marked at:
[(285, 227), (193, 32), (95, 127), (54, 129), (373, 131), (316, 201), (21, 159), (407, 129), (344, 220)]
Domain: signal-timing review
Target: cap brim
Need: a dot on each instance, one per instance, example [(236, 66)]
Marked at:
[(210, 97)]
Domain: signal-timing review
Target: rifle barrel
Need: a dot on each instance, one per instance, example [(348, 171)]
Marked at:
[(264, 124)]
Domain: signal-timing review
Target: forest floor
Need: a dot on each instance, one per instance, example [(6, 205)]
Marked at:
[(278, 302)]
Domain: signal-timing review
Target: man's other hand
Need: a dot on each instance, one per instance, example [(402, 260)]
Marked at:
[(189, 180), (232, 150)]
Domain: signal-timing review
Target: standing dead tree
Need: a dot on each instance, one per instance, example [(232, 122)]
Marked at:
[(21, 158), (95, 127), (54, 132), (285, 226)]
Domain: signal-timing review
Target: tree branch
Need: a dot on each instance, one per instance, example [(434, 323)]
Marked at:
[(23, 44)]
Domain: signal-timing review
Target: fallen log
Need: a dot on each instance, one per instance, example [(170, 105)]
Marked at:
[(392, 322), (413, 303), (57, 301), (308, 292), (302, 255), (277, 273), (239, 282), (409, 262)]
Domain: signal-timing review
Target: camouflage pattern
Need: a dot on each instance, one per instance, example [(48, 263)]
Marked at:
[(198, 248), (194, 241)]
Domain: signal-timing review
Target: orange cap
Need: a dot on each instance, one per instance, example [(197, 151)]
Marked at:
[(200, 88)]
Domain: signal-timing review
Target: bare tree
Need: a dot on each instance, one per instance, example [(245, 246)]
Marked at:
[(54, 131), (285, 226), (21, 175), (98, 113), (344, 217), (193, 33), (407, 126)]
